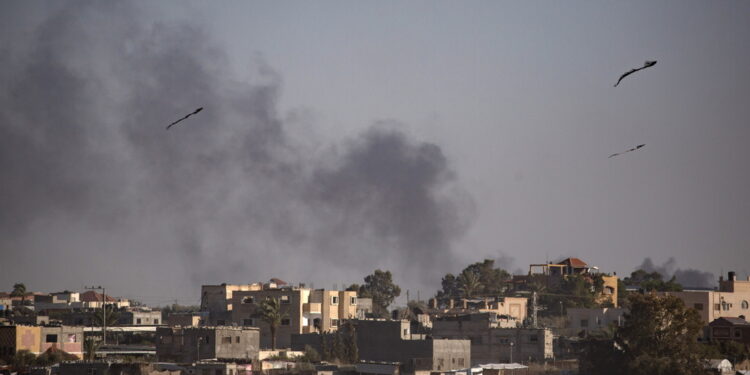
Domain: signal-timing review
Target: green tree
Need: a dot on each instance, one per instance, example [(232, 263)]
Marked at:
[(469, 283), (269, 311), (112, 316), (660, 336), (478, 279), (22, 360), (19, 290), (311, 355), (380, 286), (90, 346)]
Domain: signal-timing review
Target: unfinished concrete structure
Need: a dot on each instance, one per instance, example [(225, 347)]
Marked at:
[(490, 344), (594, 320), (190, 344)]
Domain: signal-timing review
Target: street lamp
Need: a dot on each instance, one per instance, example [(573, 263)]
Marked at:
[(511, 351)]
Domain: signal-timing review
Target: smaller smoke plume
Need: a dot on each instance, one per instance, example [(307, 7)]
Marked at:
[(689, 278)]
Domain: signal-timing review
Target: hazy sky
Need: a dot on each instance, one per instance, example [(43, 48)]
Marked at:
[(339, 137)]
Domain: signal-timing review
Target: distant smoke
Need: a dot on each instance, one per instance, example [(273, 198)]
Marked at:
[(94, 184), (687, 277)]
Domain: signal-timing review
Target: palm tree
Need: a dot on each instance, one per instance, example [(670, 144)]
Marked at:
[(112, 317), (90, 347), (269, 311), (469, 283), (19, 290)]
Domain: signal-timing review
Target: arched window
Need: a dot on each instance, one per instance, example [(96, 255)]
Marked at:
[(744, 305)]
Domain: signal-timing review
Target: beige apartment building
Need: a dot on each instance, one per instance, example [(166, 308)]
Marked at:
[(306, 310), (731, 300)]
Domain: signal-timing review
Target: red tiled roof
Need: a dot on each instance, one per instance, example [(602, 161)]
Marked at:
[(278, 281), (573, 262), (92, 296)]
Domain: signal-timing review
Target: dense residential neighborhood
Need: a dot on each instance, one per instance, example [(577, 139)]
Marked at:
[(560, 318)]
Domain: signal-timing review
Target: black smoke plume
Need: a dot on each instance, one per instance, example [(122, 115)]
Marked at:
[(96, 191)]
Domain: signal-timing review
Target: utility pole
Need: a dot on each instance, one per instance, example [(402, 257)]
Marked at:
[(104, 311), (534, 309)]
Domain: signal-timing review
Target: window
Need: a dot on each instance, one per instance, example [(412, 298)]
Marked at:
[(744, 305), (698, 306), (207, 340), (353, 300), (334, 300), (334, 322), (156, 321), (248, 299), (51, 338), (717, 306), (584, 323), (237, 340), (460, 361), (284, 299), (226, 340), (138, 321), (533, 338), (285, 322), (248, 322), (737, 334), (91, 371)]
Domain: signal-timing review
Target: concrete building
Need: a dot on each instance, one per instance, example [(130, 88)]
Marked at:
[(731, 300), (593, 320), (140, 317), (509, 307), (115, 368), (729, 329), (65, 338), (190, 344), (490, 344), (15, 338), (391, 341), (216, 300), (94, 300), (306, 311), (552, 273), (38, 339), (190, 319)]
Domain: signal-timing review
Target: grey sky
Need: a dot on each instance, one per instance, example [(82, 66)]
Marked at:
[(497, 119)]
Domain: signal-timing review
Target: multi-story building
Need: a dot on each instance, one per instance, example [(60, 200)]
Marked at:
[(140, 317), (726, 329), (216, 300), (731, 300), (490, 343), (553, 273), (593, 320), (391, 341), (190, 344), (185, 319), (305, 310), (37, 339), (94, 300)]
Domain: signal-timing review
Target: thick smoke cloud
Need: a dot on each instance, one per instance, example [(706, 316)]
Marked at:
[(96, 190), (687, 277)]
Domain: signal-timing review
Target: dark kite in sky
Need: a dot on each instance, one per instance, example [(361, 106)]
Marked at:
[(632, 149), (647, 64), (188, 115)]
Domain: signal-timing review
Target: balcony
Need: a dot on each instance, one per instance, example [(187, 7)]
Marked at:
[(311, 308)]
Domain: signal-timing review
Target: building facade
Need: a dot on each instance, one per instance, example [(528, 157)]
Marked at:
[(190, 344), (731, 300), (305, 310), (491, 344), (582, 320)]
